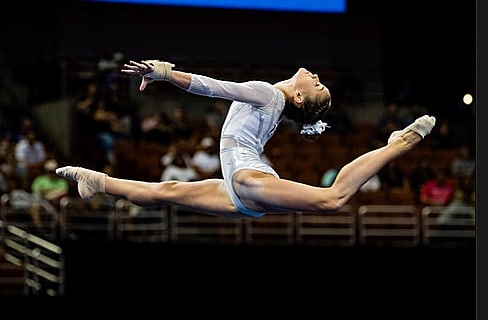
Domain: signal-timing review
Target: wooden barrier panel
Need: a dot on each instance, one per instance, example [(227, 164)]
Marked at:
[(191, 227), (87, 220), (30, 213), (276, 229), (136, 224), (333, 229), (389, 225), (448, 226), (43, 262)]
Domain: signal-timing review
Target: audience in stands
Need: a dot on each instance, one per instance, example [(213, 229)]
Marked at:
[(47, 190), (178, 165), (463, 164), (156, 128), (48, 185), (442, 137), (206, 159), (215, 115), (340, 121), (456, 208), (422, 171), (30, 154), (393, 177), (439, 190), (84, 135), (372, 185), (328, 177), (388, 122), (104, 113)]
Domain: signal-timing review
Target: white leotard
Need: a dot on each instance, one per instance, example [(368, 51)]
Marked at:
[(251, 121)]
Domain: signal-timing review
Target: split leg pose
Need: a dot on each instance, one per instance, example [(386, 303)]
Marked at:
[(251, 188)]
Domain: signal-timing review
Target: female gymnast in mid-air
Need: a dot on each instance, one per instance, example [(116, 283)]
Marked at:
[(250, 187)]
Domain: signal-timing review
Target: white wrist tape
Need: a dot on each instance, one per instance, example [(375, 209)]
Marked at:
[(162, 70)]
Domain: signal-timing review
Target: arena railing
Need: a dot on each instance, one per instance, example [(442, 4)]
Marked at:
[(364, 225), (42, 260)]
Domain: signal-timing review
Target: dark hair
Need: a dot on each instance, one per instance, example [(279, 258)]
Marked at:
[(311, 112)]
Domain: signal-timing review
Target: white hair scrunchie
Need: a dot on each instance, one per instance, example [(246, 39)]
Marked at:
[(314, 129)]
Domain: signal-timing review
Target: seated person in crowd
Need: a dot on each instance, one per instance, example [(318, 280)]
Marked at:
[(437, 191), (47, 186)]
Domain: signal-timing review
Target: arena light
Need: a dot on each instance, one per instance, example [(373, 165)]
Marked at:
[(319, 6), (467, 99)]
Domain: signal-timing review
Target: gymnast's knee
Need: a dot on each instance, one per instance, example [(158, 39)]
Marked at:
[(332, 202)]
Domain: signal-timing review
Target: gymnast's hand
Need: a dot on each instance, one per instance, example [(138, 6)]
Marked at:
[(149, 70)]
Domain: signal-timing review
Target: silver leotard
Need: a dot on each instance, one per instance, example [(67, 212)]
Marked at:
[(251, 121)]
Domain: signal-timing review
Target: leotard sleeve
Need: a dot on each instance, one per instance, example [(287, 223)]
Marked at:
[(256, 93)]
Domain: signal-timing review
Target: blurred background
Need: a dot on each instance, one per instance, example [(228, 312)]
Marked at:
[(374, 53), (385, 62)]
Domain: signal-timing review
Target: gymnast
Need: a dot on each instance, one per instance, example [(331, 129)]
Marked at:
[(250, 187)]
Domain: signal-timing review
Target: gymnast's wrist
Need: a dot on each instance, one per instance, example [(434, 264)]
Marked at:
[(162, 70)]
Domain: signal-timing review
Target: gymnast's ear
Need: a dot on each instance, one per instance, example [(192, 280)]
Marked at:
[(298, 98)]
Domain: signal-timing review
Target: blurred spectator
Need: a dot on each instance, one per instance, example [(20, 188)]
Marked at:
[(6, 147), (463, 125), (464, 164), (50, 187), (117, 100), (421, 172), (84, 132), (6, 130), (30, 154), (372, 185), (388, 122), (3, 183), (215, 116), (206, 159), (393, 178), (451, 213), (108, 127), (26, 125), (177, 166), (8, 167), (108, 68), (156, 128), (414, 111), (20, 198), (442, 137), (328, 177), (181, 125), (437, 191), (21, 202)]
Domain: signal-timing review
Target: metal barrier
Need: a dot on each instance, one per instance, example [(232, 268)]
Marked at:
[(87, 219), (389, 225), (332, 229), (43, 261), (379, 225), (33, 214), (136, 224), (448, 226), (271, 229), (188, 226)]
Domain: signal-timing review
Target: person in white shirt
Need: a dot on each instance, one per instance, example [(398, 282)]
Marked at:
[(177, 166), (206, 159)]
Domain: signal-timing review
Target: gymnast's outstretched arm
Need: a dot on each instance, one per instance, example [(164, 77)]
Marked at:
[(256, 93)]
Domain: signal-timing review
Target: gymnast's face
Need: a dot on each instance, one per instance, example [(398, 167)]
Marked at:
[(308, 85)]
